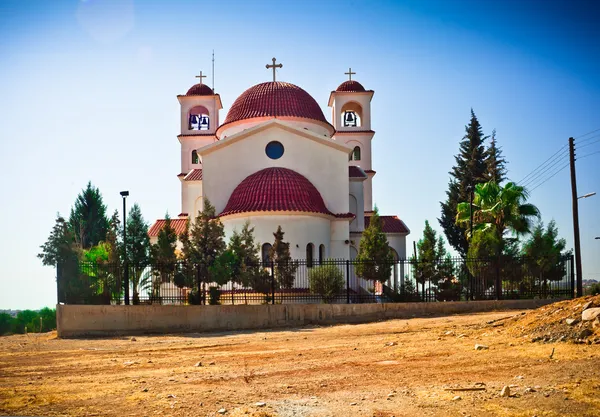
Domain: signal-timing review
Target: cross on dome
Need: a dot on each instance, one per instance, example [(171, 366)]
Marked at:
[(350, 74), (200, 76), (274, 66)]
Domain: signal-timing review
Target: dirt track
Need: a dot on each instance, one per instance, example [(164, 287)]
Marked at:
[(394, 368)]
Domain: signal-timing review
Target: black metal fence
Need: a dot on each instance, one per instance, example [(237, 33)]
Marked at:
[(332, 281)]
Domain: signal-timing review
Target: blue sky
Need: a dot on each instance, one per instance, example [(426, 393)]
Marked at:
[(89, 93)]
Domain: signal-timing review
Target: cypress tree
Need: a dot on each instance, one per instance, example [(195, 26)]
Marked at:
[(138, 246), (470, 169), (374, 259), (495, 164), (88, 220), (285, 268)]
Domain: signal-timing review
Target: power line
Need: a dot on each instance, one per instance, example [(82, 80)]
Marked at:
[(543, 182), (589, 154), (588, 144), (555, 161), (588, 133), (588, 139), (543, 164)]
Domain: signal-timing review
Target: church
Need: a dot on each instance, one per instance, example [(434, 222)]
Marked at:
[(277, 161)]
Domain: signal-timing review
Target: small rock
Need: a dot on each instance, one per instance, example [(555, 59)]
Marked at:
[(461, 335), (520, 377), (457, 398), (448, 333), (587, 305), (171, 396), (391, 344), (596, 323), (590, 314), (198, 364), (149, 361), (222, 411), (260, 404), (481, 347), (212, 363), (528, 390), (129, 363), (571, 322), (585, 333), (145, 390), (353, 403), (505, 391), (132, 339), (391, 394)]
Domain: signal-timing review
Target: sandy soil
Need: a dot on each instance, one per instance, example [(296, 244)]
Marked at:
[(393, 368)]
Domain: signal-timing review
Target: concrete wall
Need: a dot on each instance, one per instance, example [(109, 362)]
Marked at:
[(84, 320)]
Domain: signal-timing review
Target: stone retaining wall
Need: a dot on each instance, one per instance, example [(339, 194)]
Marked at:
[(109, 320)]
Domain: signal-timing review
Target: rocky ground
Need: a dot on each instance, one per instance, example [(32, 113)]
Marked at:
[(470, 365)]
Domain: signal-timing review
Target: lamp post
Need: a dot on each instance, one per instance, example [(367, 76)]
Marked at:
[(124, 194), (577, 244)]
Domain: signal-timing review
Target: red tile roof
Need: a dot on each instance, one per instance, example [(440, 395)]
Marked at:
[(179, 225), (194, 175), (368, 171), (389, 224), (275, 189), (274, 99), (200, 90), (356, 172), (351, 86)]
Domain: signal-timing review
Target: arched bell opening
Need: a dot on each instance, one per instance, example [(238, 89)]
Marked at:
[(352, 114), (198, 118)]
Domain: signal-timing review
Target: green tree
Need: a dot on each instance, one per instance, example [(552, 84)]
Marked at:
[(163, 256), (545, 253), (375, 259), (5, 323), (203, 242), (498, 210), (285, 267), (327, 281), (88, 219), (138, 248), (470, 169), (434, 264), (495, 164)]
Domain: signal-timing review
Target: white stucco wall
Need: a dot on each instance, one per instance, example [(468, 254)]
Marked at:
[(341, 98), (314, 126), (356, 190), (299, 229), (324, 166), (188, 144), (212, 104), (191, 197)]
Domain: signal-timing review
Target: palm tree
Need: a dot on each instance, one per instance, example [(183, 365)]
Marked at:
[(498, 210)]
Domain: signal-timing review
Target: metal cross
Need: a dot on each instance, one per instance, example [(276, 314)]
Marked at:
[(274, 66), (200, 76), (350, 73)]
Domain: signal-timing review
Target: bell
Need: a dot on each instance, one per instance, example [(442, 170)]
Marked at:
[(204, 123), (350, 119)]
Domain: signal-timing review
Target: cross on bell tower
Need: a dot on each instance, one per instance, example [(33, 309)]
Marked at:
[(274, 66), (200, 76), (350, 74)]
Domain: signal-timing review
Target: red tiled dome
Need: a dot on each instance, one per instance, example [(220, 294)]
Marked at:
[(200, 90), (351, 86), (275, 189), (274, 98)]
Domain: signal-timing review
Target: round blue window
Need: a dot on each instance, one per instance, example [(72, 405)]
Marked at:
[(274, 150)]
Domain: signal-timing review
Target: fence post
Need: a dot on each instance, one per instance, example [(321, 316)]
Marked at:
[(498, 280), (199, 281), (347, 281), (572, 267), (272, 282)]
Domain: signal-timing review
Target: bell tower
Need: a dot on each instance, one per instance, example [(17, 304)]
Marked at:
[(351, 116), (199, 121)]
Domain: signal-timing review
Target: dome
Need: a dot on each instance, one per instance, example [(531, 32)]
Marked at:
[(274, 98), (275, 189), (200, 90), (351, 86)]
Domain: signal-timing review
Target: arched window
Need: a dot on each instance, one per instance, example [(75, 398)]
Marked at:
[(198, 118), (309, 254), (266, 254), (356, 153), (195, 159), (351, 114), (321, 253), (353, 208)]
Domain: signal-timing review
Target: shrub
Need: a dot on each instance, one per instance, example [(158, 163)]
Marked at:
[(327, 281), (593, 289)]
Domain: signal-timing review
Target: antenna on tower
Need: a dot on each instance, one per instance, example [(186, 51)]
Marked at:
[(213, 70)]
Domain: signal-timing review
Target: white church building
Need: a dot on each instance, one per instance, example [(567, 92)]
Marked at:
[(277, 161)]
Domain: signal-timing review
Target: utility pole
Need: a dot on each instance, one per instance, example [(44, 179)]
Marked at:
[(575, 218)]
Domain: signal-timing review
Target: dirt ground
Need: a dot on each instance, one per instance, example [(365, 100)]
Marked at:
[(394, 368)]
